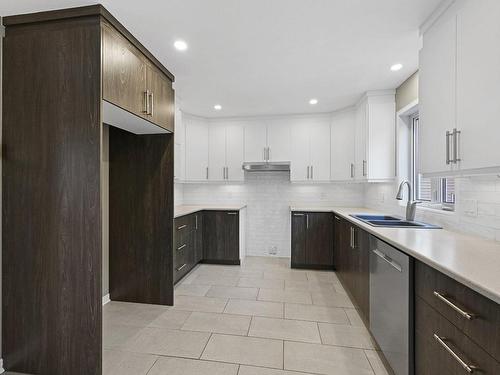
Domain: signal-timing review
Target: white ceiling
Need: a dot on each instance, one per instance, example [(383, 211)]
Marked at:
[(263, 57)]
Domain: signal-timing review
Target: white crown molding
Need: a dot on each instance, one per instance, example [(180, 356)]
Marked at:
[(438, 12)]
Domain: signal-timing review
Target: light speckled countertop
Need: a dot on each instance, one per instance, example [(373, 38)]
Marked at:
[(186, 210), (470, 260)]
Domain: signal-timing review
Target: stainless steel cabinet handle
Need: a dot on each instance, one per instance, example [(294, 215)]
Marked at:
[(151, 104), (196, 222), (181, 227), (298, 214), (232, 213), (145, 109), (456, 135), (181, 247), (207, 173), (351, 240), (337, 218), (388, 259), (312, 173), (352, 170), (307, 221), (264, 154), (467, 367), (364, 168), (268, 153), (465, 314), (448, 158), (308, 172), (181, 267)]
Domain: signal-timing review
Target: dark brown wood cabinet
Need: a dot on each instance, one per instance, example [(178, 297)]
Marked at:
[(312, 240), (352, 262), (198, 237), (161, 98), (469, 321), (57, 68), (221, 237)]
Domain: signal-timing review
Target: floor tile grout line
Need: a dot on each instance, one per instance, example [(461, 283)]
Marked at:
[(153, 365), (206, 344), (368, 359)]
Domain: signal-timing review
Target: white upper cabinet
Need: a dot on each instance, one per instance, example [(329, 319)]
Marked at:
[(342, 146), (196, 146), (267, 140), (216, 152), (437, 95), (375, 131), (225, 151), (235, 134), (478, 84), (255, 141), (310, 148), (278, 140), (460, 90)]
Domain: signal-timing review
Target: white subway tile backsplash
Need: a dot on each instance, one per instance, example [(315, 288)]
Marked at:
[(268, 197)]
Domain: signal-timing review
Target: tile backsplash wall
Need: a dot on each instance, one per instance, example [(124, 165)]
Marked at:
[(268, 197), (178, 194), (477, 206)]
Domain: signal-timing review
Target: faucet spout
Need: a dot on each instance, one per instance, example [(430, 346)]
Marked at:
[(411, 205)]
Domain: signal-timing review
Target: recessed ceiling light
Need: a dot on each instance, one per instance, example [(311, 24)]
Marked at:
[(217, 107), (180, 45), (313, 101), (396, 67)]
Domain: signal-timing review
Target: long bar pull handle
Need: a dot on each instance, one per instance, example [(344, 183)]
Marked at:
[(298, 214), (181, 227), (456, 134), (151, 104), (352, 170), (181, 267), (308, 172), (364, 168), (268, 153), (207, 173), (181, 247), (465, 314), (467, 367), (388, 259), (264, 154), (232, 213), (196, 222), (312, 172), (307, 221), (145, 109), (448, 159), (351, 242)]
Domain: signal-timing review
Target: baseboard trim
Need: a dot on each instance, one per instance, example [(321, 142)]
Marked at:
[(105, 299)]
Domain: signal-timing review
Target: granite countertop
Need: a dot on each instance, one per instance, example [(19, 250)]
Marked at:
[(189, 209), (471, 260)]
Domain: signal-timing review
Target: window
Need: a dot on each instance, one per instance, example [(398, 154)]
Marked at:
[(436, 192)]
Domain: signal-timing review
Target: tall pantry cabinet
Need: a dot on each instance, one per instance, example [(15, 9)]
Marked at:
[(66, 73)]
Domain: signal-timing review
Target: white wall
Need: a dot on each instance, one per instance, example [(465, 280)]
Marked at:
[(477, 206), (268, 197), (178, 194)]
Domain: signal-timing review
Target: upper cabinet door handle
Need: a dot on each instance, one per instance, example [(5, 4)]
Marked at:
[(146, 102), (151, 104), (456, 135), (448, 158)]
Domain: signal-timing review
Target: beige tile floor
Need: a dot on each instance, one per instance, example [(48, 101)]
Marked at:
[(261, 318)]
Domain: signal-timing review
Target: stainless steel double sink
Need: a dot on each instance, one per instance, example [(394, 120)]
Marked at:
[(387, 221)]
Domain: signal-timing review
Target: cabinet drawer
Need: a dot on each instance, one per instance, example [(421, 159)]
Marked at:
[(442, 349), (454, 301)]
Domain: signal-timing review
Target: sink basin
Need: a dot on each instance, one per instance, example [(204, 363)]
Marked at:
[(375, 217), (386, 221)]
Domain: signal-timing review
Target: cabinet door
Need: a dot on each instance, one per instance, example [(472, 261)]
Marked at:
[(478, 83), (319, 146), (338, 246), (319, 239), (231, 224), (216, 152), (299, 169), (255, 140), (437, 86), (196, 149), (162, 108), (235, 135), (278, 140), (342, 146), (123, 72), (299, 236), (198, 238), (363, 274), (360, 141)]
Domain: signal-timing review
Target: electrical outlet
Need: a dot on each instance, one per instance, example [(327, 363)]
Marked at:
[(470, 207), (273, 250)]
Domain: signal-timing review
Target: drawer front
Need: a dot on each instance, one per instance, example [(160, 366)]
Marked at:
[(442, 349), (455, 302), (183, 226)]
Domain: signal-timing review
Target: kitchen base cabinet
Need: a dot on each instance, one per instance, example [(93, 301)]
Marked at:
[(312, 240), (221, 241)]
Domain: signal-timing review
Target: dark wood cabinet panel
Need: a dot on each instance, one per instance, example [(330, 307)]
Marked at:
[(320, 239), (141, 217), (221, 237), (51, 200), (432, 358), (483, 327), (312, 240), (299, 239), (198, 237), (162, 110), (124, 72)]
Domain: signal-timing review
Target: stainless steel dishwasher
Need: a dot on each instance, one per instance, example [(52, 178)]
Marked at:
[(391, 305)]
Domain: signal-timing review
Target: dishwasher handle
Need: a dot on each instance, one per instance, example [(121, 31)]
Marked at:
[(388, 260)]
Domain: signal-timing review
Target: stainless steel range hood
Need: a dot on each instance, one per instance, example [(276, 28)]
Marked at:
[(271, 166)]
